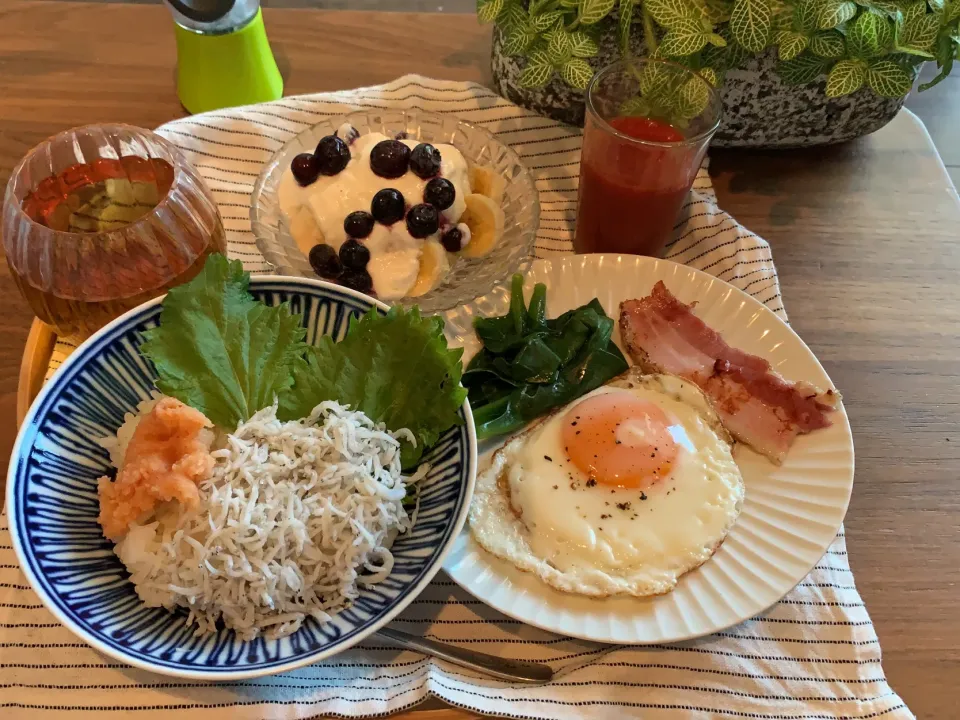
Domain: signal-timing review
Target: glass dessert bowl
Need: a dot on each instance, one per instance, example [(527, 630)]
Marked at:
[(411, 206), (101, 218)]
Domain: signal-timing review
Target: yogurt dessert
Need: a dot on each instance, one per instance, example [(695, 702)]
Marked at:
[(387, 216)]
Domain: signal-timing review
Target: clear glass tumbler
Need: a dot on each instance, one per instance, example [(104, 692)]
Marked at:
[(648, 124), (101, 218)]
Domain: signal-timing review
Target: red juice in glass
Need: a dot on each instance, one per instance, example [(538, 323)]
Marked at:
[(636, 171)]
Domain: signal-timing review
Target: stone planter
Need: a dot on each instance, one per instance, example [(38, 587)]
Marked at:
[(758, 109)]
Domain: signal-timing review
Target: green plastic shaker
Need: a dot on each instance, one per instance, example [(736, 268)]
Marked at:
[(223, 55)]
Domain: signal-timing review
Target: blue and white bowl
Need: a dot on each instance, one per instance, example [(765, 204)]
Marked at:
[(52, 505)]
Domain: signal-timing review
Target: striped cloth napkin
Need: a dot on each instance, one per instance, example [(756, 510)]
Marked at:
[(813, 656)]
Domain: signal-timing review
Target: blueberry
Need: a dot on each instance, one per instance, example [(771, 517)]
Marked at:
[(358, 280), (324, 261), (332, 154), (389, 158), (354, 255), (358, 224), (388, 206), (452, 240), (305, 169), (423, 220), (425, 161), (440, 193)]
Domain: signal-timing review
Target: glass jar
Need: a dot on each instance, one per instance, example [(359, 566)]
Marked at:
[(101, 218)]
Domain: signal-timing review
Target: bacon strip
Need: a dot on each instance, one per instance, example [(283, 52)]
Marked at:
[(756, 404)]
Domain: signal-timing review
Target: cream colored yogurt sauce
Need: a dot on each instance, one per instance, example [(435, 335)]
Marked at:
[(394, 253)]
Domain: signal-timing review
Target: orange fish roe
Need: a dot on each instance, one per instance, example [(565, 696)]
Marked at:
[(168, 455)]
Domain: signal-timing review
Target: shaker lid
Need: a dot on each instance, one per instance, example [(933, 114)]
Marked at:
[(202, 11)]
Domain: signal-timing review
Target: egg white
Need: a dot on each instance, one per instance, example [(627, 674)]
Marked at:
[(535, 509)]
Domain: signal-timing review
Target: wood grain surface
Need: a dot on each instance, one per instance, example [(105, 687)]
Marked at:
[(865, 237)]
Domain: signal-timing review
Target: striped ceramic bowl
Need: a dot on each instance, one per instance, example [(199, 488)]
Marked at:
[(52, 504)]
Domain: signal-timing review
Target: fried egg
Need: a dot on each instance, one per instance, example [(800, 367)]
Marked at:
[(620, 492)]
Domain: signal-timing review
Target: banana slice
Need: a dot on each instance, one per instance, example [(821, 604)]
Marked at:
[(488, 182), (433, 268), (305, 230), (485, 219)]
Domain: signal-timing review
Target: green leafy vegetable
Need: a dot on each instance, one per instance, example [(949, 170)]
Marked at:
[(530, 365), (228, 355), (219, 350), (396, 368)]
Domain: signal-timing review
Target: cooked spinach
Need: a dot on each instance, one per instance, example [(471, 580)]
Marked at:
[(530, 365)]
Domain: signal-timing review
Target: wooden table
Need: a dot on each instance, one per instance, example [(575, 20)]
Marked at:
[(865, 237)]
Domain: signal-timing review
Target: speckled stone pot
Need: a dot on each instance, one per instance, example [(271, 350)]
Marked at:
[(758, 109)]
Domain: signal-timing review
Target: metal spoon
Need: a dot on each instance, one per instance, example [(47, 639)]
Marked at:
[(532, 673)]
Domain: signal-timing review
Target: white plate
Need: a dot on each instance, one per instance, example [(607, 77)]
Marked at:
[(790, 514)]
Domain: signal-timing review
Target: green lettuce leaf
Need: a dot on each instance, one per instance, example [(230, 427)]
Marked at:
[(219, 350), (396, 368)]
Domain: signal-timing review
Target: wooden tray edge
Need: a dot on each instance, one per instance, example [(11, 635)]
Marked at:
[(33, 367)]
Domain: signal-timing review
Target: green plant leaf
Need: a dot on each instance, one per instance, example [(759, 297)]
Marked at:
[(951, 12), (946, 52), (545, 21), (577, 72), (888, 8), (847, 76), (790, 44), (717, 40), (487, 10), (582, 45), (835, 12), (668, 13), (625, 25), (692, 98), (805, 14), (593, 11), (711, 76), (802, 69), (869, 35), (513, 16), (751, 24), (684, 38), (535, 75), (914, 11), (636, 106), (656, 80), (715, 57), (560, 47), (936, 4), (919, 32), (828, 44), (718, 11), (518, 40), (888, 79)]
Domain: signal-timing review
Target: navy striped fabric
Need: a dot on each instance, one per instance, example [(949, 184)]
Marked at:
[(814, 656)]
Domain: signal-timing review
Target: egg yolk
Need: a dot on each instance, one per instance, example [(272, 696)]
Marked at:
[(619, 440)]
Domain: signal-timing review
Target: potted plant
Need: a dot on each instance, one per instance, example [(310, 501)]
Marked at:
[(791, 72)]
